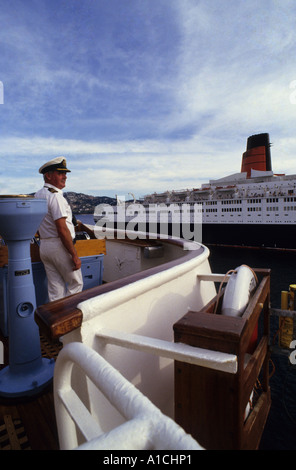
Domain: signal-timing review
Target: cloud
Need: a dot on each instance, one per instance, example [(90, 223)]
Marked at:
[(111, 168), (236, 64), (143, 95)]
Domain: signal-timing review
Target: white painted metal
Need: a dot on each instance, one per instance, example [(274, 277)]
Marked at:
[(96, 305), (213, 277), (148, 307), (176, 351), (145, 426)]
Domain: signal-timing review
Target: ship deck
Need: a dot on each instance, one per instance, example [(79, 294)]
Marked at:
[(29, 423)]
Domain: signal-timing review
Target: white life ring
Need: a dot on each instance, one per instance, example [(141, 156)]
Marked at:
[(236, 297), (238, 290)]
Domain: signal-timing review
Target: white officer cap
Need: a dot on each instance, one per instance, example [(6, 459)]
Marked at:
[(57, 164)]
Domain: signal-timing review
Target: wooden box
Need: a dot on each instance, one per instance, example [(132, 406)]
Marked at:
[(211, 405)]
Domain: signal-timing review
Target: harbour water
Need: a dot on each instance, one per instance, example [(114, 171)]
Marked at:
[(280, 429)]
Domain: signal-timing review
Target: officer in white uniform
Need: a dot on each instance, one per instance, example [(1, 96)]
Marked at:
[(57, 234)]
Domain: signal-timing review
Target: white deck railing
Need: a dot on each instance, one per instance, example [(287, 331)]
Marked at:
[(145, 427), (177, 351)]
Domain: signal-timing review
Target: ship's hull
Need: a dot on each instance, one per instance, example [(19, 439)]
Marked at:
[(277, 236), (250, 235)]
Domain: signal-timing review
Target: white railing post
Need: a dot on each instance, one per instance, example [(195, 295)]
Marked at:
[(176, 351), (158, 431)]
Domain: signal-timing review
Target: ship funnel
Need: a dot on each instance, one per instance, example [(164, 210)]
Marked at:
[(27, 372), (257, 155)]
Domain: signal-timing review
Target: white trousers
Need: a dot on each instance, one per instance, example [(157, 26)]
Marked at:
[(62, 280)]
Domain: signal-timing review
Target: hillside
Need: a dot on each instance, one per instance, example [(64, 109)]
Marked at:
[(85, 204)]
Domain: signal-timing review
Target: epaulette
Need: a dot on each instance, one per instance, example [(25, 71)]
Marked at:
[(52, 190)]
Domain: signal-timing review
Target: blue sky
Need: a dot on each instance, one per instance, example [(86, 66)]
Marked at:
[(143, 95)]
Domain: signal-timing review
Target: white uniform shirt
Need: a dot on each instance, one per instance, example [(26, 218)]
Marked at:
[(58, 207)]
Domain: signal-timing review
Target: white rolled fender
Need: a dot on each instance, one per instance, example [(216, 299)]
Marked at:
[(237, 293)]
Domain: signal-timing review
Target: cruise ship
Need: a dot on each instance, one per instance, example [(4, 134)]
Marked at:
[(252, 208)]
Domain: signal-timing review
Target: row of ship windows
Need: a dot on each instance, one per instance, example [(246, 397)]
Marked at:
[(232, 209), (235, 209), (272, 199), (232, 201), (252, 209), (223, 210), (249, 201), (257, 209), (254, 201)]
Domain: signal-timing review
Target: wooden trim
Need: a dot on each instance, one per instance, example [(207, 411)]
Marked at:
[(90, 247), (252, 370), (3, 255), (256, 420), (210, 329)]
